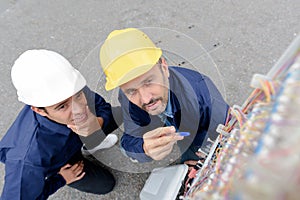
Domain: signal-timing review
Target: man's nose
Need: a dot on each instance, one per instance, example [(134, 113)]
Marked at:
[(76, 107), (145, 95)]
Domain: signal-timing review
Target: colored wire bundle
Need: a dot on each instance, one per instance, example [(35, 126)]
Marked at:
[(259, 143)]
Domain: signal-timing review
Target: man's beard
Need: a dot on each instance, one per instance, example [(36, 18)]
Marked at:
[(161, 109)]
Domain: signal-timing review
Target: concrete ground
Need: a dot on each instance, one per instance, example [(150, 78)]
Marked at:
[(229, 40)]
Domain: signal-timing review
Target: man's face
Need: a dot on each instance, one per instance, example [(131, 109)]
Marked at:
[(150, 90), (70, 111)]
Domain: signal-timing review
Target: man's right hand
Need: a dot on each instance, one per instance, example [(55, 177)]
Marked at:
[(72, 173), (159, 142), (90, 126)]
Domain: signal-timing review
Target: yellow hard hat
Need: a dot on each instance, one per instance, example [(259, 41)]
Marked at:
[(127, 54)]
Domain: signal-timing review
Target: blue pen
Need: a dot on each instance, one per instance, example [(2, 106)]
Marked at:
[(183, 134)]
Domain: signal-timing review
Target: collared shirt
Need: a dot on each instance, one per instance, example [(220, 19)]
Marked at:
[(35, 148), (168, 113), (197, 107)]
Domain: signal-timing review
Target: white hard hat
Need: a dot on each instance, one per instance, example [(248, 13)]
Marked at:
[(44, 78)]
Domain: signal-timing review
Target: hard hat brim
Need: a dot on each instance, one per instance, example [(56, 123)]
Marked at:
[(131, 65)]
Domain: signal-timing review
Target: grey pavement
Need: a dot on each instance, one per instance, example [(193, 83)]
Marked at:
[(237, 37)]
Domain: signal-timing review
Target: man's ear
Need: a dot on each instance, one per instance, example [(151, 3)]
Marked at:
[(165, 66), (39, 111), (164, 62)]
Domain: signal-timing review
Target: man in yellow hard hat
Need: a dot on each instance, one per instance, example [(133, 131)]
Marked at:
[(161, 105), (42, 150)]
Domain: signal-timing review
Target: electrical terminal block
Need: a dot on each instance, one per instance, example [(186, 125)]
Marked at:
[(220, 129), (203, 153)]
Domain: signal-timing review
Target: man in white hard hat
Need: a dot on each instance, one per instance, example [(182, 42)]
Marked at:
[(42, 148), (161, 105)]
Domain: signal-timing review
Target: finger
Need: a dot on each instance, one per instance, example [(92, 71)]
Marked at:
[(78, 170), (161, 131), (161, 151), (75, 126), (163, 140), (66, 166), (80, 177), (78, 130), (191, 162), (74, 166), (152, 143), (167, 130), (89, 113), (78, 164), (154, 133), (81, 163)]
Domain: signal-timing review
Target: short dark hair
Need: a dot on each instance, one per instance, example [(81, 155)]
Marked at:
[(43, 108)]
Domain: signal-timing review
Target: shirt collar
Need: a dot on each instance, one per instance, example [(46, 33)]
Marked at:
[(53, 126), (168, 111)]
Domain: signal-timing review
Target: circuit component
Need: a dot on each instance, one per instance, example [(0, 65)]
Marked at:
[(256, 155)]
